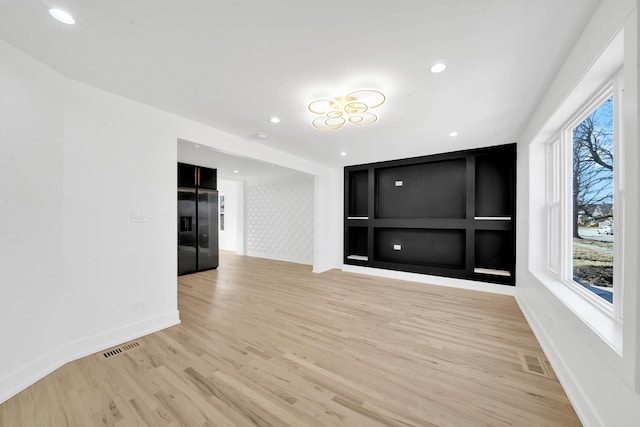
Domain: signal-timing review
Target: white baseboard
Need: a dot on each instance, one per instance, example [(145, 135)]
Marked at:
[(277, 258), (37, 369), (321, 267), (432, 280), (577, 397)]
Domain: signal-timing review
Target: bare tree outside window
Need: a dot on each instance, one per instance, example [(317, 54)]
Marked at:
[(593, 213)]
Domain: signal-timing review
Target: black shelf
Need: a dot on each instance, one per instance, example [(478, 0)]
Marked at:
[(494, 183), (450, 214), (358, 242), (359, 191), (425, 247), (493, 250), (417, 191)]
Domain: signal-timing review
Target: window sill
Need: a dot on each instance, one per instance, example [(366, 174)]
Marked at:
[(601, 323)]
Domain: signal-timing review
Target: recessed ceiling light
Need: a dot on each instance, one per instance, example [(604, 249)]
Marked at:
[(62, 16), (454, 133), (236, 171), (343, 153), (260, 136), (438, 68), (196, 145), (274, 119)]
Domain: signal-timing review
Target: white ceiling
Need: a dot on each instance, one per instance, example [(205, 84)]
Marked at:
[(232, 166), (234, 64)]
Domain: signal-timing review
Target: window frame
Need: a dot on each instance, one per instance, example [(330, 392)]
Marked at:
[(558, 199)]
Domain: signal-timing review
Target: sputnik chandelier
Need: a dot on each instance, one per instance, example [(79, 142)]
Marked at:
[(354, 108)]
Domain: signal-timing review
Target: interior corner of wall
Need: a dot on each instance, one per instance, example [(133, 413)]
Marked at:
[(34, 370)]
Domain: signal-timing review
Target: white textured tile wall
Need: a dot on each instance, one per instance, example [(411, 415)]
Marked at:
[(280, 219)]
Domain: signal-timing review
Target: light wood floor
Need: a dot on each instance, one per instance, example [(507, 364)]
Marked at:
[(271, 344)]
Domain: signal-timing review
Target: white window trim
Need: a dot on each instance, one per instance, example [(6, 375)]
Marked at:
[(558, 191), (553, 205)]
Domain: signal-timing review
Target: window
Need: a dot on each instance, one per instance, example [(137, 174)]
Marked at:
[(583, 199), (592, 212)]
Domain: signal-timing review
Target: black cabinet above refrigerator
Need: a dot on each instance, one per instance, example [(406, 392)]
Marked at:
[(192, 176)]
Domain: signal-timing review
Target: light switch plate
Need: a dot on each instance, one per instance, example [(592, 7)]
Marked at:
[(397, 247), (138, 215)]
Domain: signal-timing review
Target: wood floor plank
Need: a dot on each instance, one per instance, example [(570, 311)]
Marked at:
[(269, 343)]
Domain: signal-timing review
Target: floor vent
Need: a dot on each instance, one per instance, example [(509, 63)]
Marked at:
[(121, 349), (534, 365)]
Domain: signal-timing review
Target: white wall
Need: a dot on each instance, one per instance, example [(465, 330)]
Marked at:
[(31, 214), (75, 162), (601, 382), (118, 158), (228, 239), (328, 216), (280, 219)]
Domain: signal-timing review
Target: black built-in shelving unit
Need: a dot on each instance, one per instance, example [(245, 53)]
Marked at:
[(449, 214)]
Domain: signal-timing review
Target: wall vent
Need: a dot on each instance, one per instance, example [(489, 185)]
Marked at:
[(120, 349), (534, 365)]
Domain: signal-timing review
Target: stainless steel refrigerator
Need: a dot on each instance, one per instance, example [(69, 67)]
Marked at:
[(197, 230)]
